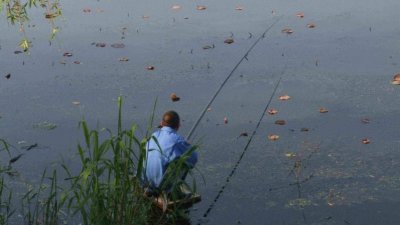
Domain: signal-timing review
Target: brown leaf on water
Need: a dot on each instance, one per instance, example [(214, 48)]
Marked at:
[(284, 97), (225, 120), (101, 45), (273, 137), (229, 41), (300, 15), (201, 7), (323, 110), (67, 54), (280, 122), (365, 120), (123, 59), (150, 68), (239, 8), (287, 31), (118, 45), (174, 97), (304, 129), (244, 134), (8, 76), (272, 111), (311, 25), (176, 7), (365, 141), (396, 79)]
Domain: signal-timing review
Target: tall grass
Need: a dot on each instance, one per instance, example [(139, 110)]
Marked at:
[(5, 194), (108, 188)]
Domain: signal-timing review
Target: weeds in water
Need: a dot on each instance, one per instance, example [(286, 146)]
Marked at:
[(107, 190), (43, 211)]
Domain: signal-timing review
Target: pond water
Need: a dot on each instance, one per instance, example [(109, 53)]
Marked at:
[(317, 172)]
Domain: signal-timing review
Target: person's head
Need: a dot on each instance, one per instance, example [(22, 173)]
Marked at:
[(171, 119)]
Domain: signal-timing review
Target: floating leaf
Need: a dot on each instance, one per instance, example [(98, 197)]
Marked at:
[(290, 154), (8, 76), (150, 68), (365, 120), (176, 7), (287, 31), (225, 120), (174, 97), (24, 44), (87, 10), (208, 47), (304, 129), (118, 45), (229, 41), (67, 54), (284, 97), (201, 7), (300, 15), (244, 134), (76, 102), (77, 62), (311, 25), (239, 8), (272, 111), (323, 110), (365, 141), (123, 59), (396, 79), (101, 45), (273, 137), (280, 122), (45, 125)]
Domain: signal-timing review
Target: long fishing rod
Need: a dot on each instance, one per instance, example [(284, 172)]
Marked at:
[(229, 76), (228, 178)]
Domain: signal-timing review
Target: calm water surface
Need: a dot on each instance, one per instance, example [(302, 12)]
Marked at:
[(345, 64)]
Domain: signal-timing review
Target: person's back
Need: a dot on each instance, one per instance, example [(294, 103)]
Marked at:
[(165, 146)]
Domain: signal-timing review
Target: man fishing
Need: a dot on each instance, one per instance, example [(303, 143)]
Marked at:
[(165, 146)]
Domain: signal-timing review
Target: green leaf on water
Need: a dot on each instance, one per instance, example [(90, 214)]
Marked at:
[(24, 44), (45, 125)]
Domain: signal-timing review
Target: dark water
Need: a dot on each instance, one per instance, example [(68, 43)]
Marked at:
[(344, 64)]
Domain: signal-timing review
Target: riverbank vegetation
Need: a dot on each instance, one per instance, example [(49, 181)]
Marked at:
[(106, 190)]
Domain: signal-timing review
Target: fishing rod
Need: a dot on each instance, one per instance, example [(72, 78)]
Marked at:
[(229, 76), (228, 178)]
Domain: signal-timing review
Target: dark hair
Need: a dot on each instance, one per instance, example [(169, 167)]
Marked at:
[(171, 119)]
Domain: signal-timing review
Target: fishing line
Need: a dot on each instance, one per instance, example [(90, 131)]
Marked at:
[(229, 75), (228, 178)]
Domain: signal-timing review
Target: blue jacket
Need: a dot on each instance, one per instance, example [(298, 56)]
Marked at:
[(171, 146)]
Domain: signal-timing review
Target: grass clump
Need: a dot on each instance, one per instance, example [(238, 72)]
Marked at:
[(108, 189)]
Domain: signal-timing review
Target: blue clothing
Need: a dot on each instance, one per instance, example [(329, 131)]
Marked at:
[(170, 146)]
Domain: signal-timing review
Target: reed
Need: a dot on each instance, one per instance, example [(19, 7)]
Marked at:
[(108, 188)]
